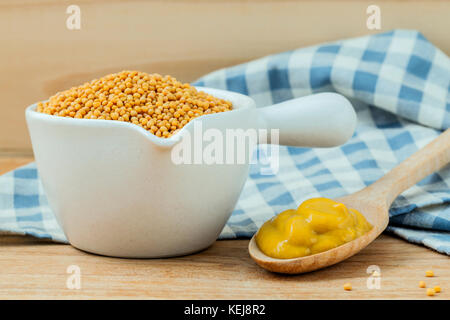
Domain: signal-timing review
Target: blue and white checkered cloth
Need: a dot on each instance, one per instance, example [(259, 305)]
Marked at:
[(399, 85)]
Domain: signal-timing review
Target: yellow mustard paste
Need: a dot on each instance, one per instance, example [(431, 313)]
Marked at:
[(318, 225)]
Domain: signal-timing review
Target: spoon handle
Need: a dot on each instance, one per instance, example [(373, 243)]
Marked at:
[(318, 120), (425, 161)]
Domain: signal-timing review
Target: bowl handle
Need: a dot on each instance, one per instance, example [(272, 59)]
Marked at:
[(318, 120)]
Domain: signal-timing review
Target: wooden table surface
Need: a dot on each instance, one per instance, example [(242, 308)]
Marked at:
[(37, 269)]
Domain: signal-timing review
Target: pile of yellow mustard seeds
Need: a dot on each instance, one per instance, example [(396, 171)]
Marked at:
[(161, 105)]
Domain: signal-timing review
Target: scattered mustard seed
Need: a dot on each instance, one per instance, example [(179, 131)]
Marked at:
[(422, 284), (429, 273), (161, 105), (430, 292), (348, 286), (437, 289)]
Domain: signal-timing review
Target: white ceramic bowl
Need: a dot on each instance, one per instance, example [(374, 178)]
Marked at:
[(115, 190)]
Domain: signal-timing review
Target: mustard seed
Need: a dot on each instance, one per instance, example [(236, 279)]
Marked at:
[(136, 97)]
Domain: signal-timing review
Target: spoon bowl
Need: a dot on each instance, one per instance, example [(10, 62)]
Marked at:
[(373, 202)]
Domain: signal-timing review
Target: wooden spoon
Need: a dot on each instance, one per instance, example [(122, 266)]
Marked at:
[(373, 202)]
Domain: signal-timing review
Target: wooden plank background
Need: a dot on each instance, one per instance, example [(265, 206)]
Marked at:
[(33, 269), (186, 38)]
